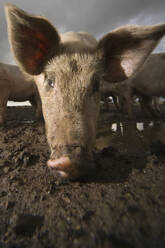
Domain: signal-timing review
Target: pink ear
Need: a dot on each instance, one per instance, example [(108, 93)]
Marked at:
[(126, 49), (41, 45), (33, 39)]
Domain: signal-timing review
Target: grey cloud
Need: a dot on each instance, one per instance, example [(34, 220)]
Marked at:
[(95, 16)]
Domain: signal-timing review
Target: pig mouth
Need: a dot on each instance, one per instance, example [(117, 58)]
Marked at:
[(61, 164), (71, 168)]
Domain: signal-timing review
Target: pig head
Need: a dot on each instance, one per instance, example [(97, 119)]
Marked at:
[(68, 69)]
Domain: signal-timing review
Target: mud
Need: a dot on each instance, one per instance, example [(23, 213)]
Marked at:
[(122, 206)]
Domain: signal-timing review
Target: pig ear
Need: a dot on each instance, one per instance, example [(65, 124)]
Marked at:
[(125, 49), (33, 39)]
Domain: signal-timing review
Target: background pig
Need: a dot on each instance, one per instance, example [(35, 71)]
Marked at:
[(14, 86), (106, 100), (150, 105), (150, 81), (68, 69), (148, 84)]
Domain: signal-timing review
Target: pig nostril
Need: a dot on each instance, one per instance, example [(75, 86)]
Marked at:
[(60, 163), (72, 169)]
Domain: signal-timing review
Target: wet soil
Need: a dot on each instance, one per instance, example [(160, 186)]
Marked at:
[(122, 206)]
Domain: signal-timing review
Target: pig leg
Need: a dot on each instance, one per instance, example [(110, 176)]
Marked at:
[(155, 102), (38, 113), (36, 103), (125, 96), (123, 105), (115, 102), (38, 108), (129, 104), (106, 103), (147, 107), (126, 106), (114, 99), (2, 115), (126, 101), (4, 94)]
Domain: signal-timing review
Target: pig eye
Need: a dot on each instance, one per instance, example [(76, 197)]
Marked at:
[(96, 85), (50, 82)]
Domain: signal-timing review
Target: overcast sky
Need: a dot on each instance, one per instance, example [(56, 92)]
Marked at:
[(94, 16)]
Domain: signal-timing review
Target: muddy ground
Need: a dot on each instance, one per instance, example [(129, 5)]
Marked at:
[(122, 206)]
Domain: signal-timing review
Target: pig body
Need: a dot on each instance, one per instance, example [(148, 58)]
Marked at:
[(14, 86), (148, 84), (68, 69), (150, 80)]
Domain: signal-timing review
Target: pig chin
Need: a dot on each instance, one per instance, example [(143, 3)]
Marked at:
[(72, 162)]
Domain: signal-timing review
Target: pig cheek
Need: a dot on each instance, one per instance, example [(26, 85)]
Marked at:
[(49, 105)]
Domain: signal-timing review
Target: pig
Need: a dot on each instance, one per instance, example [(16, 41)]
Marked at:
[(106, 100), (150, 105), (68, 69), (124, 91), (148, 84), (156, 104), (15, 86)]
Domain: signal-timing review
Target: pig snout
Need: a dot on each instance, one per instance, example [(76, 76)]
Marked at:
[(75, 165)]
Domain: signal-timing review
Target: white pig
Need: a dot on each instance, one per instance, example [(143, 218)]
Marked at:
[(68, 69), (15, 86)]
